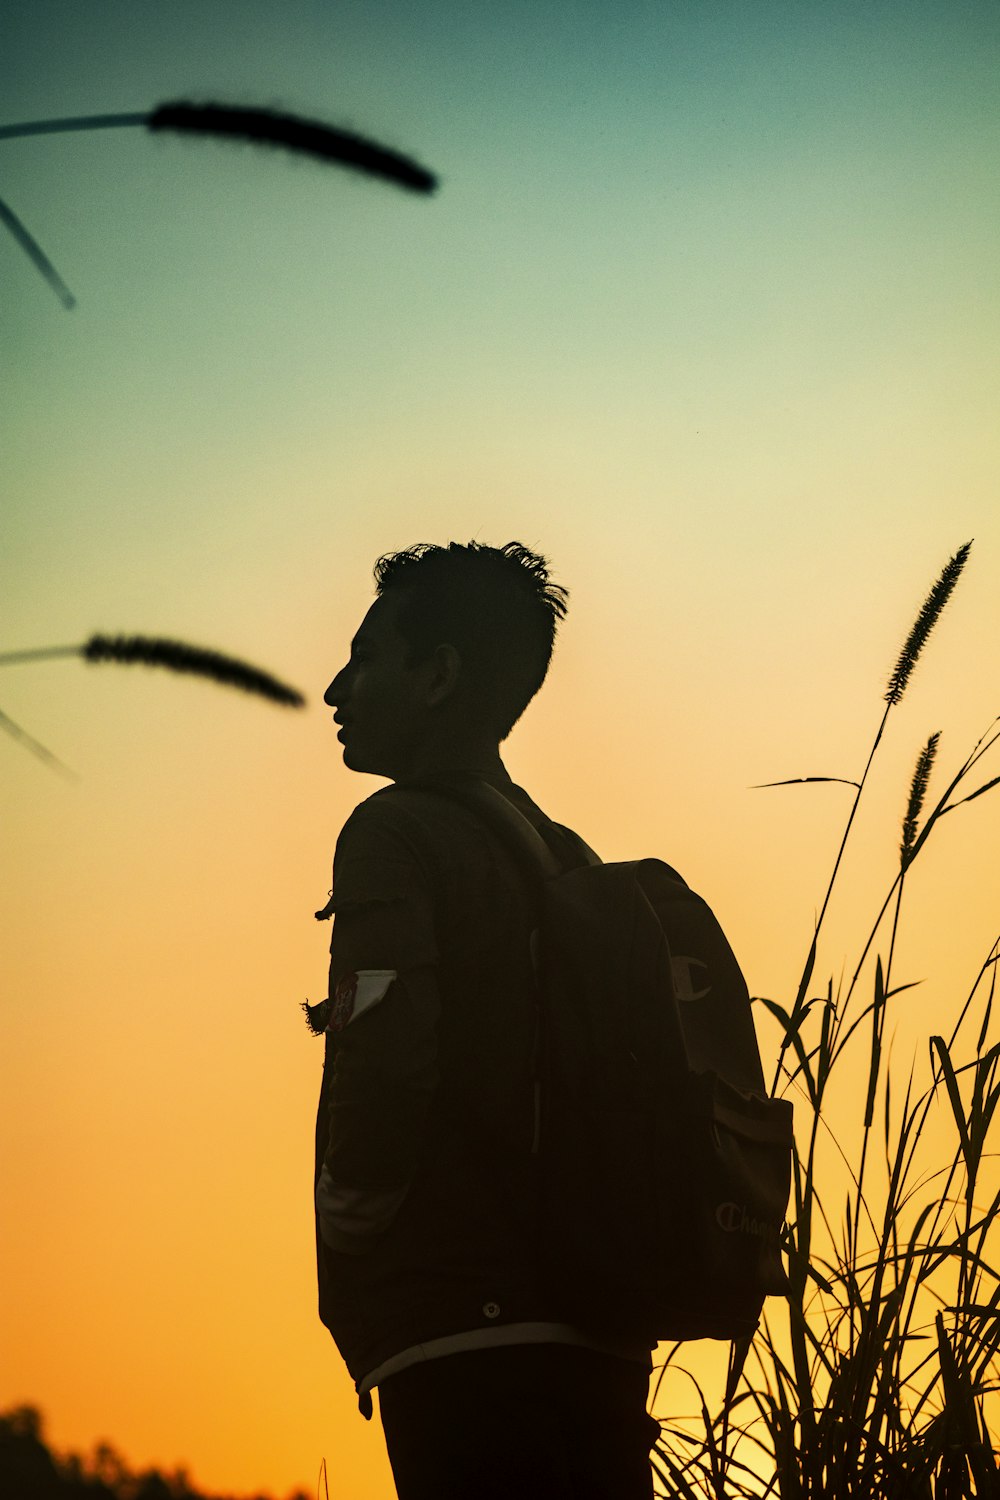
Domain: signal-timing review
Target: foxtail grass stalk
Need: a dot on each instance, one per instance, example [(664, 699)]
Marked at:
[(930, 612), (927, 617), (944, 805), (263, 127), (883, 981), (878, 1389), (175, 656), (918, 791), (268, 127)]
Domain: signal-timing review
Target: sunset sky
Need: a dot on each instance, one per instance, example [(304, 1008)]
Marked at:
[(706, 308)]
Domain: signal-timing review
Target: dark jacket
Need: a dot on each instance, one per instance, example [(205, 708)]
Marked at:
[(425, 1177)]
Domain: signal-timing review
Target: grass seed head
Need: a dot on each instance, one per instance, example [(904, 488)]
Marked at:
[(176, 656), (930, 613), (918, 791), (269, 127)]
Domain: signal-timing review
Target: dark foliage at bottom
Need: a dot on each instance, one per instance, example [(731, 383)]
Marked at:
[(29, 1470)]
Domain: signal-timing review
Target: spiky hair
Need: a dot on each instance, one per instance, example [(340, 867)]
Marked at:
[(496, 605)]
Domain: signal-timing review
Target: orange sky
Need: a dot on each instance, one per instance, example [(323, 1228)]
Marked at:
[(705, 309)]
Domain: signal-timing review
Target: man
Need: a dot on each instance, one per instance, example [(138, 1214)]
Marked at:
[(426, 1182)]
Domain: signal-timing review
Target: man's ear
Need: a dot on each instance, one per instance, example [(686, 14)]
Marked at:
[(444, 675)]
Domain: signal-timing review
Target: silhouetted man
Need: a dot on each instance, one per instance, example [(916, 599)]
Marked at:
[(426, 1185)]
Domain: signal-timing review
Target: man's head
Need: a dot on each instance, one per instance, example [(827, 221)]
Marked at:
[(454, 648)]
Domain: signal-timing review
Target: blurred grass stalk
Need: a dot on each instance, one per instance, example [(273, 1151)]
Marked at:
[(175, 656), (150, 651), (261, 127), (876, 1385)]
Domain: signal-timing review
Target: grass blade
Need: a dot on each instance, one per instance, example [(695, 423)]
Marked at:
[(939, 1045), (799, 780), (972, 795)]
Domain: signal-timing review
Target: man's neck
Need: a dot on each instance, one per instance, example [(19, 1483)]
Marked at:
[(442, 760)]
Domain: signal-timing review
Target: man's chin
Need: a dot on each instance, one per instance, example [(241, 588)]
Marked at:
[(355, 760)]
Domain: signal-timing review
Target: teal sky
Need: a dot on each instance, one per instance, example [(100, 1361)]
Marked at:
[(681, 228)]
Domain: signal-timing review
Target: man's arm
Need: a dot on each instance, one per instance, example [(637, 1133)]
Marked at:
[(381, 1068), (384, 1073)]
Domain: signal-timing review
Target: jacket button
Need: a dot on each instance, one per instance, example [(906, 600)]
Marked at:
[(491, 1309)]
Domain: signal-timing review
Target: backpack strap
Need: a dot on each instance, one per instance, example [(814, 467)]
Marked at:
[(532, 851)]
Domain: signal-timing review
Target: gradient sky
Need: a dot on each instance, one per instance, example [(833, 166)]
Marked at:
[(706, 309)]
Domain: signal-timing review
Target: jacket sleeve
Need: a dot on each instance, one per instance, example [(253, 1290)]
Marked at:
[(381, 1067)]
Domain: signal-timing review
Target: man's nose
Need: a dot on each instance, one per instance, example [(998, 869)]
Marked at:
[(332, 694)]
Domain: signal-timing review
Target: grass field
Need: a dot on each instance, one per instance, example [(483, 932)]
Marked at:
[(875, 1378)]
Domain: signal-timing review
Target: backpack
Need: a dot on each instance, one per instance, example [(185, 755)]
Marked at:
[(665, 1167)]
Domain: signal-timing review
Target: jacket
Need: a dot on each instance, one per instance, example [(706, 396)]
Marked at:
[(425, 1184)]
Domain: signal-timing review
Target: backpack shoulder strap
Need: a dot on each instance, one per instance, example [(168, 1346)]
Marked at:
[(533, 852)]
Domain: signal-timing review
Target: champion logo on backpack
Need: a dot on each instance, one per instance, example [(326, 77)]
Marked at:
[(680, 969), (735, 1218)]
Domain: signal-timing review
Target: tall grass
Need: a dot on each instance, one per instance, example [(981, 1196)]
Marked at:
[(873, 1379)]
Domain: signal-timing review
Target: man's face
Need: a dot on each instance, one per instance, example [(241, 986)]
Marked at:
[(379, 699)]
